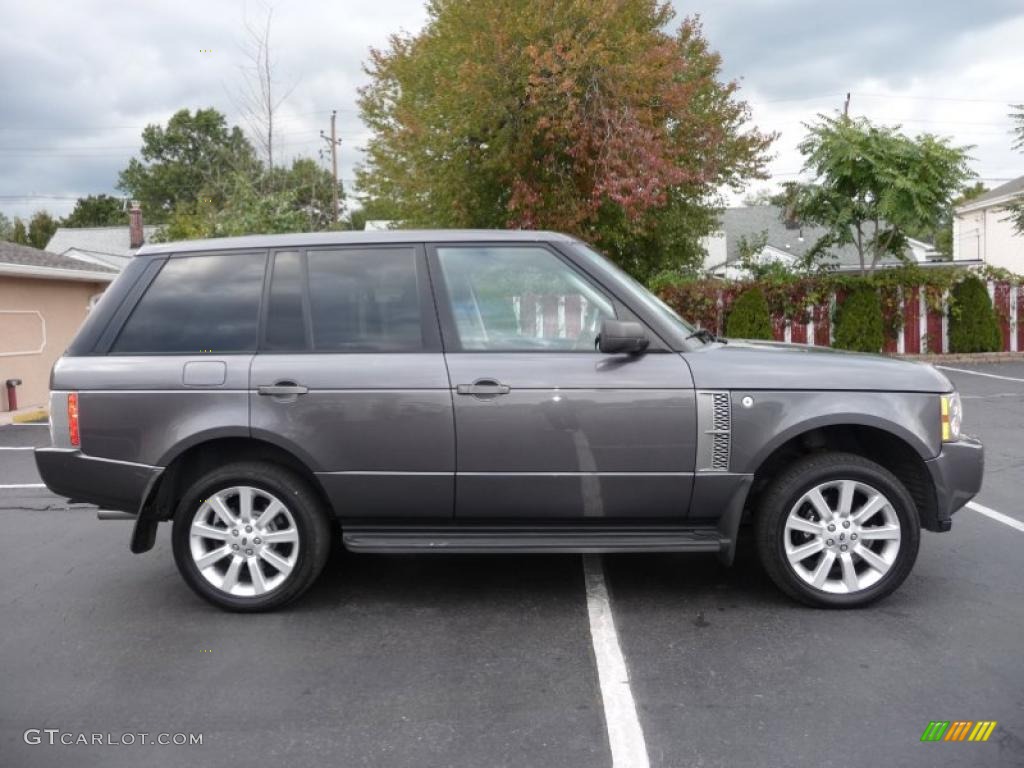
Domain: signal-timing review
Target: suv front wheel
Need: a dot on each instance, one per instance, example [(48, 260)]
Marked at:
[(837, 530), (250, 536)]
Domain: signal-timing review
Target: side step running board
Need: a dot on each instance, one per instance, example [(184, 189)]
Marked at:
[(482, 539)]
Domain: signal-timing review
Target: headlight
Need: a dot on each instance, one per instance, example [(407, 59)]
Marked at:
[(952, 417)]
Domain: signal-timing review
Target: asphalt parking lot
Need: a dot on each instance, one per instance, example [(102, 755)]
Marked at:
[(491, 661)]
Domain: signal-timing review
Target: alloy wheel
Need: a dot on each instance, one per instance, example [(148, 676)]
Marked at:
[(842, 536), (244, 541)]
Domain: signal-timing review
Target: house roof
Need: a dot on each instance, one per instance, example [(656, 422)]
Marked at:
[(25, 261), (751, 221), (115, 241), (999, 194)]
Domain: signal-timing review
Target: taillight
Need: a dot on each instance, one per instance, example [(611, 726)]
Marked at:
[(73, 418)]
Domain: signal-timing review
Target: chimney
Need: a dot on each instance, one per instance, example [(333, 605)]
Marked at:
[(135, 225)]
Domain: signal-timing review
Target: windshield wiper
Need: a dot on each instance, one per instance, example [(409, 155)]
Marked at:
[(706, 336)]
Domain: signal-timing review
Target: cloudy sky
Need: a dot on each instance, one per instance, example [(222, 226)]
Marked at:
[(79, 81)]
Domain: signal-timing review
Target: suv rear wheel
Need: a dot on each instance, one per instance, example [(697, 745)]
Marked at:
[(250, 536), (837, 530)]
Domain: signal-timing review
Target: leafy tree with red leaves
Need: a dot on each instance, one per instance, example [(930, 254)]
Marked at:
[(584, 116)]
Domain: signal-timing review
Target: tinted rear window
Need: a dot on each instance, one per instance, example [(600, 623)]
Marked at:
[(198, 304), (365, 300)]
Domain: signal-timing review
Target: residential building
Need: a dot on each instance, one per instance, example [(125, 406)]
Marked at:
[(104, 246), (787, 242), (983, 229), (44, 297)]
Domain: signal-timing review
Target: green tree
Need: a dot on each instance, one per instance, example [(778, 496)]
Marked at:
[(858, 323), (1017, 208), (194, 156), (749, 317), (584, 116), (19, 234), (40, 229), (96, 211), (6, 228), (973, 325), (875, 186), (296, 199)]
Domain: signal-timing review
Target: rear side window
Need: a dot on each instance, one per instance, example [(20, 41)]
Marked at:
[(198, 304), (365, 300)]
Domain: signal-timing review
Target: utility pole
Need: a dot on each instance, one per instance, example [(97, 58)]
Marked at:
[(846, 105), (334, 142)]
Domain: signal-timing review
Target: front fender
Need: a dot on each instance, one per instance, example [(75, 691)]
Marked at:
[(774, 418)]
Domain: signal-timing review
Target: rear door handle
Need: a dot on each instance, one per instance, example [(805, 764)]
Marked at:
[(483, 387), (282, 389)]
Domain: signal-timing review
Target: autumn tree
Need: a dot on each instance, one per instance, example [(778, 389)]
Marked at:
[(575, 115), (874, 186)]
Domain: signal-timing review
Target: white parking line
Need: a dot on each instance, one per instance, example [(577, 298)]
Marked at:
[(1006, 519), (22, 485), (625, 737), (16, 448), (979, 373)]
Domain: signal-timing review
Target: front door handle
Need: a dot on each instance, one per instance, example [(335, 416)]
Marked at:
[(282, 389), (484, 387)]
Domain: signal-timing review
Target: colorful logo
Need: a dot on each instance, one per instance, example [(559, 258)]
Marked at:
[(959, 730)]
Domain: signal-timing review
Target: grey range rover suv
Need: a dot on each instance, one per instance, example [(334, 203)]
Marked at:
[(481, 391)]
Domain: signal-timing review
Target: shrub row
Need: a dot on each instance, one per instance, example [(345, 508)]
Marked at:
[(866, 307)]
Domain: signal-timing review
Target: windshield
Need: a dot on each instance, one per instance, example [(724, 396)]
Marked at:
[(651, 301)]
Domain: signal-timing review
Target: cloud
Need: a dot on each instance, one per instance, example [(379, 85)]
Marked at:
[(80, 80)]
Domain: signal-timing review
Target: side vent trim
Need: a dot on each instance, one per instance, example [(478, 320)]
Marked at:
[(714, 430)]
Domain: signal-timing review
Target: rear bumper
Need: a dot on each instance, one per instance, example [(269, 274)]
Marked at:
[(106, 483), (957, 473)]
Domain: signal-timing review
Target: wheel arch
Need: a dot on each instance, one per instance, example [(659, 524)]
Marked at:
[(192, 460), (896, 449)]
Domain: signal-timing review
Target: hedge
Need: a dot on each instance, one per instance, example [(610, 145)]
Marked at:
[(749, 317), (709, 301), (859, 322), (973, 325)]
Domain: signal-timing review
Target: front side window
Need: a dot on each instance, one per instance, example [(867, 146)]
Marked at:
[(202, 303), (513, 298)]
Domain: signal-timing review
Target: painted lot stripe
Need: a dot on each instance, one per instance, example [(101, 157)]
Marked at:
[(979, 373), (16, 448), (625, 737), (1006, 519), (23, 485)]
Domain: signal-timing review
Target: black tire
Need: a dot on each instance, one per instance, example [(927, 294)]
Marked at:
[(305, 507), (788, 488)]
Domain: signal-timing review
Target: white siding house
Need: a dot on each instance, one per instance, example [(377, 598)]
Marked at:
[(982, 229)]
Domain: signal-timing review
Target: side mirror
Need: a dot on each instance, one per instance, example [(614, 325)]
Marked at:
[(622, 337)]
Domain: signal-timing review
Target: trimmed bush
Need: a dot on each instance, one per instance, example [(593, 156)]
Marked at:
[(749, 317), (973, 325), (858, 323)]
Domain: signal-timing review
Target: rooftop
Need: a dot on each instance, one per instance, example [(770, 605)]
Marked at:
[(1008, 189), (114, 241), (26, 261), (751, 221)]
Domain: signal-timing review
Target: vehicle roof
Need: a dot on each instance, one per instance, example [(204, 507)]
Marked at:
[(384, 237)]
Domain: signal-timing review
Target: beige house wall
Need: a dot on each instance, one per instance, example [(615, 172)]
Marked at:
[(38, 319)]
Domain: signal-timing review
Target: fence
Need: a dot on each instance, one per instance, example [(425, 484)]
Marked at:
[(920, 326)]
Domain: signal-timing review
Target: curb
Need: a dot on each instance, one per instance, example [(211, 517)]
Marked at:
[(975, 357), (29, 415)]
